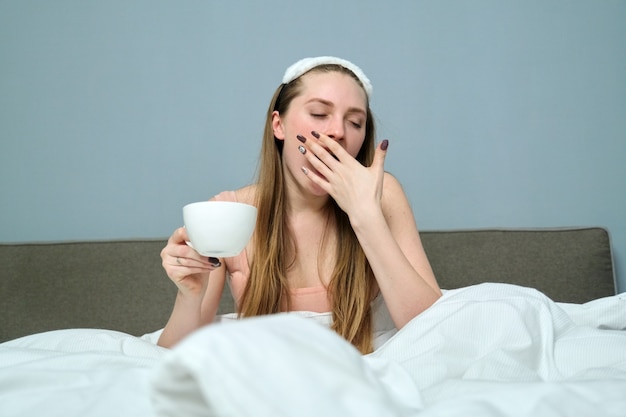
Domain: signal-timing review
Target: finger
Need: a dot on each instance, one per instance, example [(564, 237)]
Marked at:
[(380, 154), (179, 236), (179, 267), (313, 158), (189, 257), (181, 261), (189, 263), (180, 254), (320, 167), (321, 182), (177, 247), (321, 152), (333, 148)]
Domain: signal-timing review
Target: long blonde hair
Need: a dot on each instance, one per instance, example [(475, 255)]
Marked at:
[(352, 285)]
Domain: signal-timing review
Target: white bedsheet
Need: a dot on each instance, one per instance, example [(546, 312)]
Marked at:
[(487, 350)]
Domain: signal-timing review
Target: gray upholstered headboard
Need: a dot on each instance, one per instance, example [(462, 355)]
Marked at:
[(568, 264), (121, 285)]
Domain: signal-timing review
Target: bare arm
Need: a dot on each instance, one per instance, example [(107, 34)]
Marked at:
[(200, 286), (391, 242), (383, 222)]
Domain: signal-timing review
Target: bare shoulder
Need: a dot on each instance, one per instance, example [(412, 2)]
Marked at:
[(395, 202), (247, 194), (244, 195), (392, 190)]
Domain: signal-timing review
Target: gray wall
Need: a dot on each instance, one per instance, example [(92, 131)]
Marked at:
[(114, 114)]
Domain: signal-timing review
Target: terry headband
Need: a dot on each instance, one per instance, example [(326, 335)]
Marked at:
[(306, 64)]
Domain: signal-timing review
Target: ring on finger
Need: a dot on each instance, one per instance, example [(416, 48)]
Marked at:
[(178, 261)]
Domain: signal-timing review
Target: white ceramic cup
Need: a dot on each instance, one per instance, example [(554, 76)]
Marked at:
[(219, 228)]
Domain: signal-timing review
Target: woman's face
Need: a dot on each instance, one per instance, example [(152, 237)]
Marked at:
[(331, 103)]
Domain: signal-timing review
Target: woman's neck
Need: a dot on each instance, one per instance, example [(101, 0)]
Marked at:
[(299, 202)]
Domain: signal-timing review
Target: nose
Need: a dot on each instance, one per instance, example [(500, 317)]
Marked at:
[(335, 129)]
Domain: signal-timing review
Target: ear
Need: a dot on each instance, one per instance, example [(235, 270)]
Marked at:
[(277, 126)]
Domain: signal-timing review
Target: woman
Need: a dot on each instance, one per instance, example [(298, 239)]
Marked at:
[(334, 230)]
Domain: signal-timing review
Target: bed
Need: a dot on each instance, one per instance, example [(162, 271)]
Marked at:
[(530, 325)]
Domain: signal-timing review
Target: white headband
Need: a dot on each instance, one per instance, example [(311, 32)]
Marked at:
[(306, 64)]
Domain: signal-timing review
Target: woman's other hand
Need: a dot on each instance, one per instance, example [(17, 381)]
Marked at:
[(184, 266)]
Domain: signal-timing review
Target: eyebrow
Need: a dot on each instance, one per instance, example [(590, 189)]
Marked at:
[(331, 104)]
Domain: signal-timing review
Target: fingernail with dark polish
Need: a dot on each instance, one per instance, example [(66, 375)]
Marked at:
[(301, 138), (314, 133), (215, 262), (384, 145)]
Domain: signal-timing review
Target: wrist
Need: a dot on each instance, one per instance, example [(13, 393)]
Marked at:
[(189, 299), (366, 218)]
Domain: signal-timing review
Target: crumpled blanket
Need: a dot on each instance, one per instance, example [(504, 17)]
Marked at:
[(486, 350)]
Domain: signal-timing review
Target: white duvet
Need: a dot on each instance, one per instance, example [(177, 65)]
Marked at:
[(486, 350)]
